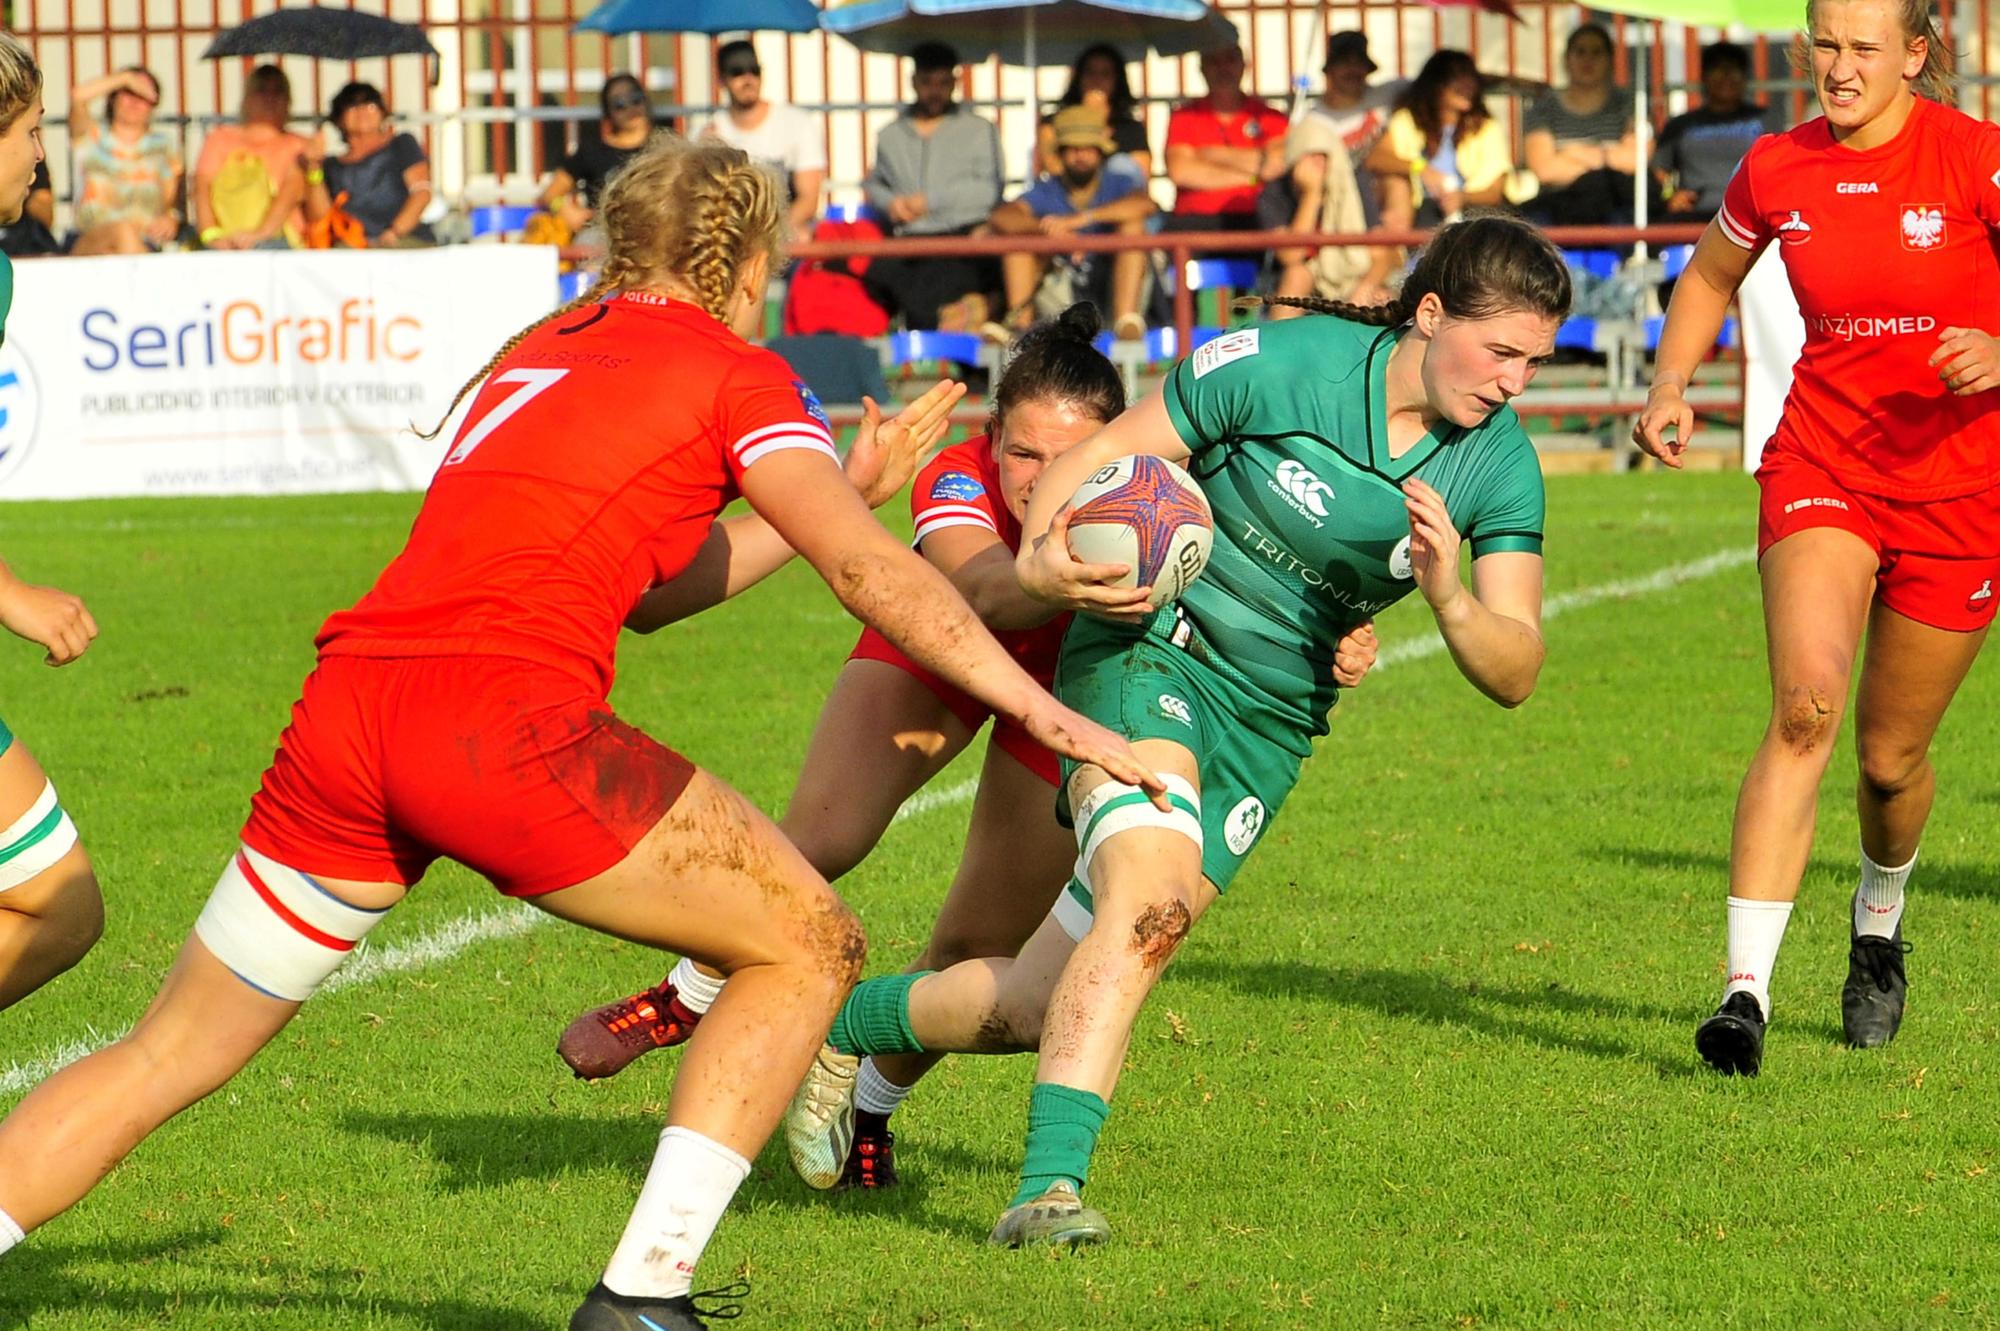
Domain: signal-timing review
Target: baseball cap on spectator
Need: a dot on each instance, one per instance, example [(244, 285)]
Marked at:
[(1349, 46), (1083, 127)]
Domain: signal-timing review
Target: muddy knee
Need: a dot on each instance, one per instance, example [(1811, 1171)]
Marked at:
[(837, 945), (1011, 1030), (1808, 716), (1158, 931)]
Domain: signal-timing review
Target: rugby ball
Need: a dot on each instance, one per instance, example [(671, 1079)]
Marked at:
[(1148, 514)]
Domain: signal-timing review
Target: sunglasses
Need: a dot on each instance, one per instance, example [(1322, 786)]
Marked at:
[(737, 70), (625, 102)]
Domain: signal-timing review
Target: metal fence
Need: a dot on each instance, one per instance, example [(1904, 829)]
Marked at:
[(514, 85)]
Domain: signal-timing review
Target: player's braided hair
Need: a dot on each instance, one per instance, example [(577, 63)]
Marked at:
[(698, 212), (1479, 268), (1937, 80), (1058, 361), (20, 81)]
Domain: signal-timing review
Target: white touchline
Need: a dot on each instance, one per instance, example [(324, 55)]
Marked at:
[(448, 940)]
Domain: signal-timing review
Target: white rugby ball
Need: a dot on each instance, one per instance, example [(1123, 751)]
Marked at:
[(1148, 514)]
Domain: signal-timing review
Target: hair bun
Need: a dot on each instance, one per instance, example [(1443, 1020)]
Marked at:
[(1080, 321)]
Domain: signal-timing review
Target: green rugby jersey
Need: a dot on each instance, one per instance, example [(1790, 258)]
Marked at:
[(1291, 445)]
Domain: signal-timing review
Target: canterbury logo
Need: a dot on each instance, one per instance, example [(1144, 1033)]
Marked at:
[(1307, 491)]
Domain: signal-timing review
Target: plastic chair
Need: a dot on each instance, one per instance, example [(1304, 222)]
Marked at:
[(571, 285), (1728, 337), (1577, 335), (923, 344), (501, 221), (1674, 260), (1600, 264)]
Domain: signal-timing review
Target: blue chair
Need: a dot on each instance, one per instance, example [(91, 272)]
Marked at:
[(855, 212), (571, 285), (1728, 337), (1577, 335), (504, 221), (929, 345), (1674, 258), (1600, 264), (1160, 344)]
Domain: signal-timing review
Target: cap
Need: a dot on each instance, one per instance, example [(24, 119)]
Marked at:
[(1349, 46)]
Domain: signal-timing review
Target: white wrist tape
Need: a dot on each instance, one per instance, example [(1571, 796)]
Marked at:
[(36, 840), (281, 932)]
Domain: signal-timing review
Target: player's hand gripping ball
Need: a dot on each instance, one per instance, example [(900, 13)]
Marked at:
[(1148, 514)]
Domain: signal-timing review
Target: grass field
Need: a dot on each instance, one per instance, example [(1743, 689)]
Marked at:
[(1429, 1065)]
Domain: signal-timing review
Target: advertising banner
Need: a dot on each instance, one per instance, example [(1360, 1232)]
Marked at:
[(249, 373)]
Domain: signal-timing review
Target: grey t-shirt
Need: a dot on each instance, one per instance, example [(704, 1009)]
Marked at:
[(1704, 146), (375, 188), (1607, 124)]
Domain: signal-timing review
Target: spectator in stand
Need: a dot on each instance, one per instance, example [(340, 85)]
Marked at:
[(572, 191), (1221, 148), (936, 173), (791, 142), (33, 232), (1098, 80), (1580, 142), (1083, 200), (128, 174), (385, 175), (248, 181), (1328, 189), (1699, 149), (1443, 152)]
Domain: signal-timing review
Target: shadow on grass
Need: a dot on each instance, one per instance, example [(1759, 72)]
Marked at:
[(1950, 878), (1508, 1012), (491, 1150), (39, 1280)]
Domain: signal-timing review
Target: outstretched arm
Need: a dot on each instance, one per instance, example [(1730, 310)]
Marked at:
[(51, 618)]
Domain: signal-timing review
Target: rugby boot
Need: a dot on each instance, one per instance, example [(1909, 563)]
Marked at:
[(871, 1161), (1871, 1002), (604, 1311), (819, 1124), (1733, 1039), (604, 1041), (1056, 1218)]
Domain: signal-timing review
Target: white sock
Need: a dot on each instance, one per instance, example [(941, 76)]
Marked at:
[(697, 991), (875, 1093), (1755, 930), (686, 1191), (10, 1233), (1878, 902)]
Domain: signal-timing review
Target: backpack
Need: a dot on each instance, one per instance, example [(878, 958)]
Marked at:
[(827, 295)]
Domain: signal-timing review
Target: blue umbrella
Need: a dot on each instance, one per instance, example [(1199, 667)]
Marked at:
[(1031, 32), (711, 16)]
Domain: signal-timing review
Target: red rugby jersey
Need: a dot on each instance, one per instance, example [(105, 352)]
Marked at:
[(960, 487), (1885, 249), (590, 467)]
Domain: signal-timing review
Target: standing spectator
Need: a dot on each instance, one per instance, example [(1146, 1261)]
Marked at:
[(1327, 189), (33, 232), (1083, 200), (1580, 142), (385, 175), (573, 189), (248, 182), (789, 141), (1699, 149), (1098, 79), (128, 174), (1443, 151), (936, 173), (1221, 148)]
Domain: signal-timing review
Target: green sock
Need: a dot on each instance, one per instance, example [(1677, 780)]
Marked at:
[(875, 1019), (1063, 1124)]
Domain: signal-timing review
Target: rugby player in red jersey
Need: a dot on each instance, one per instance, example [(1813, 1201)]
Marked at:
[(889, 726), (459, 710), (1880, 509)]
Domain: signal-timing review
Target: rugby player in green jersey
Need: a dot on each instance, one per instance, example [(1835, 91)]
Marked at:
[(50, 911), (1347, 459)]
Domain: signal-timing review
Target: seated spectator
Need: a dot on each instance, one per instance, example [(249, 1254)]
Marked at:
[(1083, 200), (1699, 149), (1443, 152), (936, 173), (1098, 79), (385, 175), (32, 233), (1580, 142), (1221, 148), (248, 181), (571, 194), (128, 174), (791, 142), (1327, 189)]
